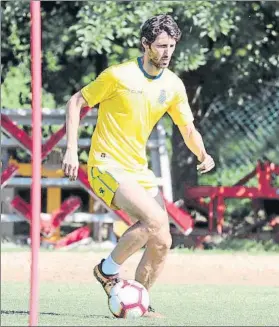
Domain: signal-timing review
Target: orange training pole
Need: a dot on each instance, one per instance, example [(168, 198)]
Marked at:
[(36, 73)]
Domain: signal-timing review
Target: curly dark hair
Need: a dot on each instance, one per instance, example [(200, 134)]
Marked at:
[(156, 25)]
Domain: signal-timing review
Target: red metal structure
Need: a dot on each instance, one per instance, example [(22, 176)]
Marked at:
[(47, 227), (217, 194), (180, 218), (8, 173)]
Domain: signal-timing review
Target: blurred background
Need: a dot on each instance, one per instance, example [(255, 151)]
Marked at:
[(228, 59)]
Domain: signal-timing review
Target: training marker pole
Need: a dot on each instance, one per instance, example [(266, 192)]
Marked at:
[(36, 78)]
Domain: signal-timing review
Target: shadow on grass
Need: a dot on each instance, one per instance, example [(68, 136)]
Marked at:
[(20, 312)]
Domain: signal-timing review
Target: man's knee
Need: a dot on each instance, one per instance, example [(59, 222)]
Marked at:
[(140, 227), (158, 223), (161, 241)]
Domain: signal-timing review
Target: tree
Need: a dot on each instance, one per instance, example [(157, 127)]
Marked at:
[(232, 48), (228, 49)]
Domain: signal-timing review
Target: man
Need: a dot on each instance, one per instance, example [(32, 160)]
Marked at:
[(133, 96)]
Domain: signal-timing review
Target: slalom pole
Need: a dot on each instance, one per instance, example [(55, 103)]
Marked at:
[(36, 78)]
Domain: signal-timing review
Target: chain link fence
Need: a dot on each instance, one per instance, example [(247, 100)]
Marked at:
[(240, 134)]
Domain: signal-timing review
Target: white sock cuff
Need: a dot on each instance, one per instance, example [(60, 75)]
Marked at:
[(110, 267)]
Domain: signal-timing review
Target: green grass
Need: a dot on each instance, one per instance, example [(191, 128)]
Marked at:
[(81, 304)]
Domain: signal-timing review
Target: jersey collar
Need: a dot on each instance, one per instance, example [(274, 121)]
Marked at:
[(145, 73)]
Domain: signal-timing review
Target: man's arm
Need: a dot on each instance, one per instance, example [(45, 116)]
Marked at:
[(73, 108), (95, 92), (194, 142), (70, 162), (182, 116)]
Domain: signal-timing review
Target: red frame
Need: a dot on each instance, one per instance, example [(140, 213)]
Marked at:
[(218, 194), (182, 219)]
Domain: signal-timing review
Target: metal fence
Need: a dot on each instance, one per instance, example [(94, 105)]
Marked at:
[(240, 134)]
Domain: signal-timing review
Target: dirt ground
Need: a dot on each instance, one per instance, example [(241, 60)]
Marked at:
[(200, 268)]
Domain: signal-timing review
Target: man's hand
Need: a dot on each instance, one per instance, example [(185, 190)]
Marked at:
[(70, 164), (207, 163)]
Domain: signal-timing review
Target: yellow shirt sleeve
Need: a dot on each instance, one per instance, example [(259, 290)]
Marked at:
[(180, 110), (102, 88)]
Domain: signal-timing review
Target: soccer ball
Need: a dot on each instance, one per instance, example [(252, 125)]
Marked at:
[(128, 299)]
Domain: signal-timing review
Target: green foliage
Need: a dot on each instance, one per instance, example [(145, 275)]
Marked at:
[(228, 176), (248, 245), (121, 32), (235, 43), (16, 90), (202, 22), (228, 49), (15, 37)]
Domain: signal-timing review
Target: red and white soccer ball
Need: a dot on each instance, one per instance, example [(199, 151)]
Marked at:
[(128, 299)]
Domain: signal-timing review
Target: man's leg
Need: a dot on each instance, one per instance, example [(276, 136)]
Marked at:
[(148, 269), (155, 254), (152, 227), (153, 222)]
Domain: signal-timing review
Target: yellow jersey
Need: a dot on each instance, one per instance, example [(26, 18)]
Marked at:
[(131, 103)]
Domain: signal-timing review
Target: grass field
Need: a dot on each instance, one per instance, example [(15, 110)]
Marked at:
[(68, 298), (84, 305)]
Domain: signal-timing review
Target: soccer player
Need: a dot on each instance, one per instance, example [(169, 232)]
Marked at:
[(133, 96)]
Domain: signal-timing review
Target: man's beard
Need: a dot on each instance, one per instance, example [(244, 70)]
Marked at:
[(157, 64), (154, 60)]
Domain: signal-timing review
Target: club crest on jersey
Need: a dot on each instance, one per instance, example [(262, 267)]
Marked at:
[(101, 191), (162, 97)]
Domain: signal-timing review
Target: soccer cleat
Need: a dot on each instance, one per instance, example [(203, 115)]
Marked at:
[(151, 313), (150, 309), (107, 281)]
